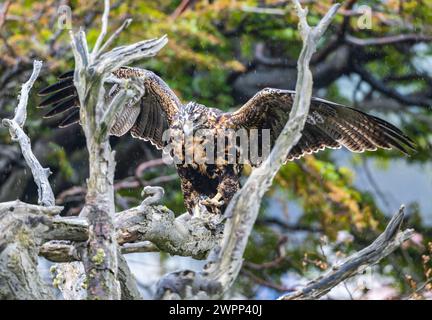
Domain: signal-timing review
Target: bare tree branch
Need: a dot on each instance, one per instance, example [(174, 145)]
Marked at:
[(3, 11), (126, 55), (104, 29), (111, 39), (386, 243), (411, 99), (40, 174), (400, 38), (60, 251), (185, 235), (139, 247)]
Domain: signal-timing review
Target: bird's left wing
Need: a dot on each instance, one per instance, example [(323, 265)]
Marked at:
[(145, 119), (328, 125)]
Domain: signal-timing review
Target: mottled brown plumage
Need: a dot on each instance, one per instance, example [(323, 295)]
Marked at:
[(329, 125)]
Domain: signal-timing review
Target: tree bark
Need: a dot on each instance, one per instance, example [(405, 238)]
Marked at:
[(21, 227)]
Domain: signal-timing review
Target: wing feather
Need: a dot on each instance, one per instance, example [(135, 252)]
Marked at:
[(329, 125), (61, 107), (71, 118), (146, 119), (140, 126)]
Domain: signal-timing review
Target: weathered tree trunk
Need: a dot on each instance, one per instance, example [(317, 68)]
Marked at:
[(20, 228), (100, 258)]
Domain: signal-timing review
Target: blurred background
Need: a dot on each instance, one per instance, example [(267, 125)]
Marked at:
[(376, 56)]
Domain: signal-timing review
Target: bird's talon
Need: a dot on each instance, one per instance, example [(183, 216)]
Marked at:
[(212, 202)]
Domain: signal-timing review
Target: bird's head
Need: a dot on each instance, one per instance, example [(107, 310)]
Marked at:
[(184, 136)]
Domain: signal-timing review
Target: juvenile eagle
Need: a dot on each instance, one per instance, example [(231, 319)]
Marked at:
[(329, 125)]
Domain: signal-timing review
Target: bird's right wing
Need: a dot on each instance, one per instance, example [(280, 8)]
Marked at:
[(146, 119)]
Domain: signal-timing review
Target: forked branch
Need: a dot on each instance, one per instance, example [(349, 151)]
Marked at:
[(386, 243)]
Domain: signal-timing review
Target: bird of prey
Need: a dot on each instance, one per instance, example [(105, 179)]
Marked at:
[(328, 125)]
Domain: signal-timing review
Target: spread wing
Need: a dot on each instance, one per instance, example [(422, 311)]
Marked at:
[(328, 125), (146, 119)]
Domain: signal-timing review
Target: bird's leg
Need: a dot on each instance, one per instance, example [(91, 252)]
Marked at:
[(228, 185), (213, 202)]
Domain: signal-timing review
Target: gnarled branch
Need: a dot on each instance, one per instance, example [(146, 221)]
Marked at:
[(15, 125), (386, 243), (141, 229)]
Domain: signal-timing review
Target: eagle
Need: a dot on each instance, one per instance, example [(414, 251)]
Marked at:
[(212, 186)]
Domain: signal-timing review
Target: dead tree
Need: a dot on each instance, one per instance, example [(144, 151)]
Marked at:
[(90, 247)]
